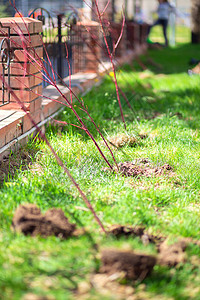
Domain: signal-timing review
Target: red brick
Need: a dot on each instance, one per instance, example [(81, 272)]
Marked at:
[(25, 82), (25, 41), (37, 116), (38, 104), (14, 130), (25, 95), (45, 111), (27, 124), (14, 106), (10, 130), (37, 26), (35, 105), (26, 25), (20, 55), (49, 108), (2, 136), (23, 68)]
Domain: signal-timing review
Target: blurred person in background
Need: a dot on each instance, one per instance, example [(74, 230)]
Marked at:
[(163, 11)]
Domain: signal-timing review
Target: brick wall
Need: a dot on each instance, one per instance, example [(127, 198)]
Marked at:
[(86, 51), (25, 79)]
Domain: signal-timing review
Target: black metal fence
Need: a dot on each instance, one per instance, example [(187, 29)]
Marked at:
[(65, 46), (58, 40), (6, 56)]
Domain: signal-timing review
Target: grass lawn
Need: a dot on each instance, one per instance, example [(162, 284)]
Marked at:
[(166, 108), (183, 34)]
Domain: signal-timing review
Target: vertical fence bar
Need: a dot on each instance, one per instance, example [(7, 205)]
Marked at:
[(59, 18), (5, 53)]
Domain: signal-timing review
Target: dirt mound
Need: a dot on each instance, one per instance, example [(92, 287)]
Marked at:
[(172, 255), (121, 140), (29, 220), (133, 266), (120, 230), (143, 136), (142, 167)]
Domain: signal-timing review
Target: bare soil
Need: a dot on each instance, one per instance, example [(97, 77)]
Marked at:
[(142, 168), (29, 220), (120, 230), (168, 254), (133, 266), (122, 140), (172, 255), (127, 231)]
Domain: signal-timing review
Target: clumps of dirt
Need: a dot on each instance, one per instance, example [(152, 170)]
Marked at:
[(121, 140), (133, 266), (29, 220), (143, 136), (142, 168), (168, 254), (172, 255), (136, 231), (120, 230)]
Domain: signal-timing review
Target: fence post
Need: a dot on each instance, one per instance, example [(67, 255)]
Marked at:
[(86, 52), (25, 77)]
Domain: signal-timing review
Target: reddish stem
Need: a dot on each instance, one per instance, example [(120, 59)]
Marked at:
[(112, 63)]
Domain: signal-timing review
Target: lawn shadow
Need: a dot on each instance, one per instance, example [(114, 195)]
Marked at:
[(19, 160), (172, 60), (163, 283)]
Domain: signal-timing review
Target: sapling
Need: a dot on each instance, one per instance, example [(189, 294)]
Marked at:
[(33, 58), (111, 56)]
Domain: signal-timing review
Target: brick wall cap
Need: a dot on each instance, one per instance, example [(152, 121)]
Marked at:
[(88, 23), (33, 25)]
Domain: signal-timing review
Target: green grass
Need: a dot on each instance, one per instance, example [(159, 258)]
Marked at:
[(164, 205), (183, 34)]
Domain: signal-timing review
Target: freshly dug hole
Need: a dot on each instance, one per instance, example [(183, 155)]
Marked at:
[(135, 231), (124, 230), (142, 167), (133, 266), (29, 220)]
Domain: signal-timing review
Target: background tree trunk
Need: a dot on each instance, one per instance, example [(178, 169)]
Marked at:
[(195, 21)]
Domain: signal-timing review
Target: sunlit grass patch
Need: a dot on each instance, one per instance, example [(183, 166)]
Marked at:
[(165, 123)]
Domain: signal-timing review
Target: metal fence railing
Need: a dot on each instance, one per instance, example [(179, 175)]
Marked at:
[(5, 61), (57, 41)]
